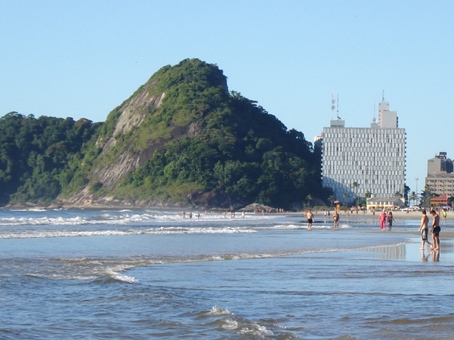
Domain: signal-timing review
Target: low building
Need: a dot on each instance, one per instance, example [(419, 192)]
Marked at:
[(385, 203), (442, 200)]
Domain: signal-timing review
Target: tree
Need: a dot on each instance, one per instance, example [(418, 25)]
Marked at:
[(309, 199), (355, 186), (426, 195), (345, 196), (413, 197), (406, 191), (34, 153), (330, 200)]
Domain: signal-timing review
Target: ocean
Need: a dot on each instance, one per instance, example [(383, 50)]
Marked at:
[(156, 274)]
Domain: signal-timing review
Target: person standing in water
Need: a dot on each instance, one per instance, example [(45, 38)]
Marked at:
[(424, 230), (336, 219), (390, 220), (383, 220), (310, 219), (435, 230)]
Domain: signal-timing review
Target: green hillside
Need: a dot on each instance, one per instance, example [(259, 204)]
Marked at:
[(36, 155), (182, 139)]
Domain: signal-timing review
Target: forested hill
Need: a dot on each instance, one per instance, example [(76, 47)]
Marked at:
[(36, 155), (181, 139)]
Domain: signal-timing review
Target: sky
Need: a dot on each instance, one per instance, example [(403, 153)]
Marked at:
[(83, 58)]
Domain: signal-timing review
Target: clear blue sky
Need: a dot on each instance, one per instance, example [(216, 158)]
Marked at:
[(83, 58)]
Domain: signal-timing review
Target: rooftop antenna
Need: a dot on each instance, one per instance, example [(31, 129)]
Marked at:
[(383, 96), (333, 105), (337, 113)]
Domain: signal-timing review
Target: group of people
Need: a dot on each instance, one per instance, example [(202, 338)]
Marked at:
[(310, 219), (386, 217), (435, 230)]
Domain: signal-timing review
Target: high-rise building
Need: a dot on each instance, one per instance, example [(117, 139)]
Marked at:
[(440, 175), (359, 161)]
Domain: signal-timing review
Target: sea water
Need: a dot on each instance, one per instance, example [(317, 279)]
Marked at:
[(144, 274)]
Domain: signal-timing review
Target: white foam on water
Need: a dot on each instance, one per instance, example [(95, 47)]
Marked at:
[(236, 323), (121, 217), (303, 225), (256, 330), (120, 277), (217, 311), (23, 234), (230, 324)]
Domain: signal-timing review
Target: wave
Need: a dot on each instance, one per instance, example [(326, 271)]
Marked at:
[(118, 277), (230, 322), (120, 217), (30, 209), (12, 234), (110, 270), (303, 225), (215, 311), (79, 269)]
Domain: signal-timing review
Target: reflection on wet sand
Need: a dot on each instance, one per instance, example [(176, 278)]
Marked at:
[(408, 251), (389, 252)]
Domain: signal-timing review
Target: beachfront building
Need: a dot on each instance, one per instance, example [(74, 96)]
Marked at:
[(387, 203), (442, 200), (365, 162), (440, 175)]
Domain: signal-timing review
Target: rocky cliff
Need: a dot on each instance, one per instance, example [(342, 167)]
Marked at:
[(183, 139)]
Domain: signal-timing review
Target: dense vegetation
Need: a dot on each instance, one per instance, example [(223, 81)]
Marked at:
[(244, 152), (35, 155), (240, 152), (202, 141)]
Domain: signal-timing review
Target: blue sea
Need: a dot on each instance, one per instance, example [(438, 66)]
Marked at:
[(156, 274)]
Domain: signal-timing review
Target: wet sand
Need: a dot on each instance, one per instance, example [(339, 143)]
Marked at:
[(447, 225), (416, 215)]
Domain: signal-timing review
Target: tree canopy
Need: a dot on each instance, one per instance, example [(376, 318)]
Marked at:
[(197, 140), (35, 154)]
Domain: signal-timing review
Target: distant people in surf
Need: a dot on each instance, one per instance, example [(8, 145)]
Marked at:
[(424, 230), (383, 220), (310, 219), (435, 230), (390, 220), (336, 219)]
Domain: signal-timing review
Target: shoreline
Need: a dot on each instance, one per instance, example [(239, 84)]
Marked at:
[(412, 215), (447, 227)]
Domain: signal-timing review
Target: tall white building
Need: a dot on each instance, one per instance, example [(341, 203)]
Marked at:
[(386, 118), (356, 161)]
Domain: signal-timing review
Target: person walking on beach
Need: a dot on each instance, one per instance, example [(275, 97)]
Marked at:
[(435, 230), (390, 220), (424, 230), (310, 219), (336, 219), (383, 220), (444, 214)]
